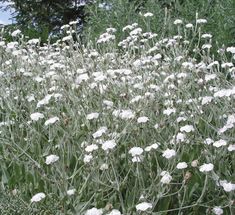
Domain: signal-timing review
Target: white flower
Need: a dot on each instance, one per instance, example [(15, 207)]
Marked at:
[(111, 30), (100, 132), (87, 158), (181, 118), (127, 114), (187, 128), (67, 38), (81, 78), (51, 159), (108, 103), (128, 27), (33, 41), (71, 192), (94, 211), (227, 64), (231, 49), (114, 212), (201, 21), (178, 22), (169, 153), (156, 126), (182, 165), (36, 116), (73, 22), (38, 197), (148, 14), (92, 116), (217, 210), (231, 147), (136, 151), (64, 27), (219, 143), (206, 100), (153, 146), (208, 141), (91, 148), (180, 137), (229, 124), (189, 25), (206, 167), (52, 120), (137, 159), (109, 144), (30, 98), (143, 206), (228, 186), (44, 101), (15, 33), (136, 31), (143, 119), (206, 46), (206, 36), (103, 5), (169, 111), (188, 65), (104, 166), (224, 93), (166, 177), (209, 77)]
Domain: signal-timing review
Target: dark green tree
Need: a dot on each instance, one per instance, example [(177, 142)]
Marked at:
[(45, 17)]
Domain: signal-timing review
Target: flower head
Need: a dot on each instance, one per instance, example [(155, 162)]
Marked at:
[(206, 167), (228, 186), (187, 128), (52, 120), (219, 143), (51, 159), (38, 197), (166, 177), (71, 192), (94, 211), (143, 119), (92, 116), (114, 212), (169, 153), (91, 148), (201, 21), (217, 210), (178, 22), (143, 206), (136, 151), (87, 158), (182, 165), (36, 116), (16, 33), (109, 144), (148, 14)]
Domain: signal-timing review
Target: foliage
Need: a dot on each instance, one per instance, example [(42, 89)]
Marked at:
[(118, 123), (42, 18), (122, 13)]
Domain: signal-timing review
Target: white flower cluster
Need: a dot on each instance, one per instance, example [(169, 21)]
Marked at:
[(136, 153)]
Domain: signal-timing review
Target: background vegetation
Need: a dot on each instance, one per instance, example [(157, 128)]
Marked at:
[(45, 17)]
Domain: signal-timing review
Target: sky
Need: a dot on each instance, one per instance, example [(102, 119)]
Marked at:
[(5, 16)]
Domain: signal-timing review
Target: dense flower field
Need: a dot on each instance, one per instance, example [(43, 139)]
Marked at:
[(139, 126)]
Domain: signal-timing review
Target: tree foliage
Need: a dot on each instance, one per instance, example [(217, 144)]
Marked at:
[(45, 16)]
